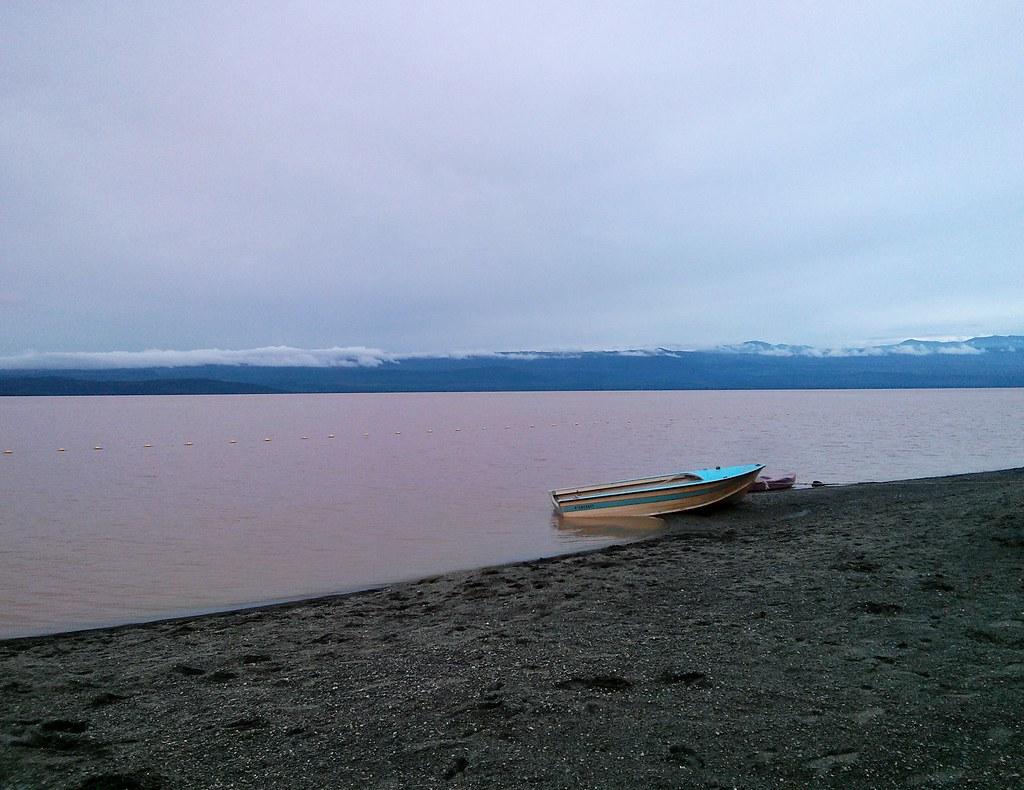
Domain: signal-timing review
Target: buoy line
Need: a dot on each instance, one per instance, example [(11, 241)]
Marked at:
[(98, 447)]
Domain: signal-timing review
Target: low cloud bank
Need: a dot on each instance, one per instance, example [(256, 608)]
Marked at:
[(270, 356), (362, 356)]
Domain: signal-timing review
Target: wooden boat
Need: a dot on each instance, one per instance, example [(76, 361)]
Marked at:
[(773, 482), (652, 496)]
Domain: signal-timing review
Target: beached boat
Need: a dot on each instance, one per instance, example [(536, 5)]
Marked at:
[(652, 496), (776, 482)]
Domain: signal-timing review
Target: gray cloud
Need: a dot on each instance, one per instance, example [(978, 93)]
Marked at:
[(453, 175), (8, 299)]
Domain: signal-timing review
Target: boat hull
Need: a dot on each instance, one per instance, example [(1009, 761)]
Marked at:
[(657, 496)]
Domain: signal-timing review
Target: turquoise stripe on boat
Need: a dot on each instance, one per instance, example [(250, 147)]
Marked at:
[(686, 494)]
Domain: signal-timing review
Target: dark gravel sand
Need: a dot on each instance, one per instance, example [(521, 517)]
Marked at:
[(869, 636)]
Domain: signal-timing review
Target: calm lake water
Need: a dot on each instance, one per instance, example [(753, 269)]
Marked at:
[(353, 491)]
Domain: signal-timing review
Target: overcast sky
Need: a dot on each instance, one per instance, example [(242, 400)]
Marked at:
[(431, 177)]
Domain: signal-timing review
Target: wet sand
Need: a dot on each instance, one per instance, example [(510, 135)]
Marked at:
[(868, 636)]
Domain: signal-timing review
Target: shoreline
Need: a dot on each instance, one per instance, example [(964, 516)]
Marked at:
[(320, 598), (302, 600), (863, 635)]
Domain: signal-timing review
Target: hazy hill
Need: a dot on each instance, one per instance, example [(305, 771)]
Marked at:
[(979, 362)]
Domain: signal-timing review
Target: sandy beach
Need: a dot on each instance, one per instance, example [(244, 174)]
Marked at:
[(866, 636)]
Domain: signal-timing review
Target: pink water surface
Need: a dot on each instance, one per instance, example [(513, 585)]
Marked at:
[(410, 485)]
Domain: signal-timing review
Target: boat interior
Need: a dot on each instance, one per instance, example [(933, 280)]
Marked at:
[(628, 486)]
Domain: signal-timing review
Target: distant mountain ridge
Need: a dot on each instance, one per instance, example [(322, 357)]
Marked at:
[(974, 345), (978, 362)]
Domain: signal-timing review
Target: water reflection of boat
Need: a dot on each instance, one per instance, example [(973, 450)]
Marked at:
[(621, 528), (652, 496)]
